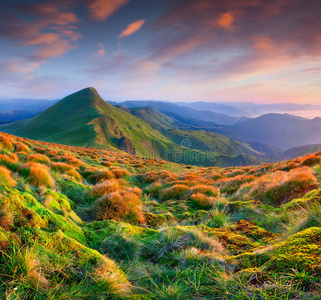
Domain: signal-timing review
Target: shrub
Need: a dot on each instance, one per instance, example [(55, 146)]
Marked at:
[(120, 206), (73, 173), (106, 163), (120, 173), (154, 189), (61, 167), (6, 143), (230, 186), (174, 192), (38, 174), (310, 160), (105, 188), (280, 187), (5, 177), (100, 176), (10, 162), (21, 147), (40, 158), (205, 189), (202, 201)]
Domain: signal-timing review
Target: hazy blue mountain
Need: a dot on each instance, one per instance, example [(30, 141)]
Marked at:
[(277, 130)]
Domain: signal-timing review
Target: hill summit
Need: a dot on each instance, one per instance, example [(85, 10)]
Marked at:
[(84, 119)]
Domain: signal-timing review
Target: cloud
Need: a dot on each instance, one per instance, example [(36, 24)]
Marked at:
[(101, 10), (132, 28), (226, 20), (48, 28), (101, 50)]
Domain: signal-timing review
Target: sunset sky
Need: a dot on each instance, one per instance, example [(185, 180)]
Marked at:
[(209, 50)]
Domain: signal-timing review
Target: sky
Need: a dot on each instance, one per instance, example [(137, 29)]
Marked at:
[(178, 50)]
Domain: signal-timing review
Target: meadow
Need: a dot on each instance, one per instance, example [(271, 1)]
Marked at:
[(83, 223)]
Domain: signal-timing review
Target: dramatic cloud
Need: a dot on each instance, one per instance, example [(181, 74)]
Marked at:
[(132, 28), (50, 27), (100, 10), (101, 50), (226, 20)]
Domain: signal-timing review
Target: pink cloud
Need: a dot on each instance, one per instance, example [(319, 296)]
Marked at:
[(101, 50), (101, 10), (50, 27), (132, 28), (226, 20)]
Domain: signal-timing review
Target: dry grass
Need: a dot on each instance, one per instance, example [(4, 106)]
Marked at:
[(105, 188), (202, 201), (40, 158), (310, 160), (122, 205), (38, 174), (280, 187), (204, 189), (5, 177), (21, 147), (174, 192)]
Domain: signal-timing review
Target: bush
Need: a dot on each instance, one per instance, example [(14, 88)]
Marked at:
[(202, 201), (5, 177), (104, 188), (61, 167), (38, 158), (310, 160), (118, 173), (37, 174), (100, 176), (10, 162), (280, 187), (231, 186), (205, 189), (174, 192), (122, 205), (21, 147)]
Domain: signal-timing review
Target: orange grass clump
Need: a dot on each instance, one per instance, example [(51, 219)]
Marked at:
[(310, 160), (280, 187), (174, 192), (5, 177), (105, 187), (38, 174), (21, 147), (202, 201), (204, 189), (40, 158), (120, 206)]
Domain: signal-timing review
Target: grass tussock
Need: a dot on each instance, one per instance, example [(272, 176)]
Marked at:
[(280, 187), (123, 205), (6, 178), (37, 174)]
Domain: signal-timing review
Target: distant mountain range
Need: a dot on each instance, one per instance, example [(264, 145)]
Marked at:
[(145, 127), (85, 119)]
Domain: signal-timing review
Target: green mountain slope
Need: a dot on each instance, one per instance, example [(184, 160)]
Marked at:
[(85, 119)]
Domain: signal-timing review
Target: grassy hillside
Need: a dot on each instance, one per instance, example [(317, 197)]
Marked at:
[(84, 119), (80, 223)]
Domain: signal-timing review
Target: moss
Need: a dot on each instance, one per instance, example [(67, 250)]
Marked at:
[(308, 199), (60, 204), (81, 265), (301, 251), (29, 213)]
